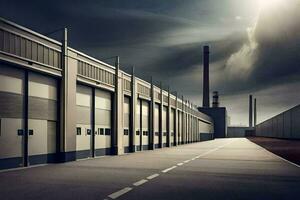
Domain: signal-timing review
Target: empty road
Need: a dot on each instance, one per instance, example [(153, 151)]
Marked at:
[(218, 169)]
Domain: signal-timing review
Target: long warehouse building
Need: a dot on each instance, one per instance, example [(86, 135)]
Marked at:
[(58, 104)]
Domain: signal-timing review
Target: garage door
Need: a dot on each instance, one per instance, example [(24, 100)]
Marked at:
[(164, 126), (103, 108), (145, 125), (156, 125), (84, 116), (126, 111)]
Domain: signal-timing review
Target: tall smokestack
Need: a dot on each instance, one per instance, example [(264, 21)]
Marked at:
[(206, 76), (250, 112), (255, 112)]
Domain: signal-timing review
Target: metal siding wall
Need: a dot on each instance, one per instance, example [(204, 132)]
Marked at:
[(296, 123), (287, 124)]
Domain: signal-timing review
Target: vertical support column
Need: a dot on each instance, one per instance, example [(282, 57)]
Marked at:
[(176, 124), (141, 124), (132, 113), (151, 117), (182, 121), (68, 102), (255, 113), (192, 128), (187, 122), (93, 124), (161, 117), (168, 119), (25, 118), (115, 132)]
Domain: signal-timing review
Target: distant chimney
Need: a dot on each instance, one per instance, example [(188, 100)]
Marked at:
[(205, 76), (255, 112), (250, 112), (215, 103)]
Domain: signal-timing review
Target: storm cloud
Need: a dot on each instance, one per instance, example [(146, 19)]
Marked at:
[(252, 50)]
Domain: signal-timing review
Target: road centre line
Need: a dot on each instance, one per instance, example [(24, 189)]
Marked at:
[(119, 193), (152, 176), (140, 182), (168, 169)]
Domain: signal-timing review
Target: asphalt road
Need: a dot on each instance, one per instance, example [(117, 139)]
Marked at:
[(219, 169)]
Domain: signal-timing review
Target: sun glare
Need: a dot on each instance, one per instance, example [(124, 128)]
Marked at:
[(269, 3)]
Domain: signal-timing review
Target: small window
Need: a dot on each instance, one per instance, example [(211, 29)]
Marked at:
[(137, 132), (107, 131), (157, 133), (88, 131), (145, 132), (78, 131), (126, 132), (100, 131)]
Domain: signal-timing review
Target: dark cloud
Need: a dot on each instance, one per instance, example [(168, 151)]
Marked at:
[(271, 54), (164, 39)]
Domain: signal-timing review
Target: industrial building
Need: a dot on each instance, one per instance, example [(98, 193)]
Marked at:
[(58, 104), (285, 125), (218, 114)]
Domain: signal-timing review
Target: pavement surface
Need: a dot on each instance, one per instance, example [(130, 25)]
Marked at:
[(219, 169), (288, 149)]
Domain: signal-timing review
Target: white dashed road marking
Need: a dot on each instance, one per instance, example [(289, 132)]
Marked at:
[(152, 176), (119, 193), (141, 182), (169, 169), (138, 183)]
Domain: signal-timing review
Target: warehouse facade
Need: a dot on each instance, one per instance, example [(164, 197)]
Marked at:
[(58, 104), (285, 125)]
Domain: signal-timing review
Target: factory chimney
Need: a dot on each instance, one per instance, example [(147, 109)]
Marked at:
[(215, 103), (250, 112), (205, 77), (255, 112)]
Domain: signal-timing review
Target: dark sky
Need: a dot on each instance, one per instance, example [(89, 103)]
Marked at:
[(255, 46)]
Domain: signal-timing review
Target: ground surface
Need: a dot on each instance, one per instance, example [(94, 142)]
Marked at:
[(219, 169), (288, 149)]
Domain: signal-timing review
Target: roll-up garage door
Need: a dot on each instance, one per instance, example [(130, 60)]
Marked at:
[(172, 127), (179, 128), (11, 117), (83, 126), (138, 126), (156, 126), (145, 125), (21, 91), (42, 120), (164, 126), (126, 136), (102, 122)]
